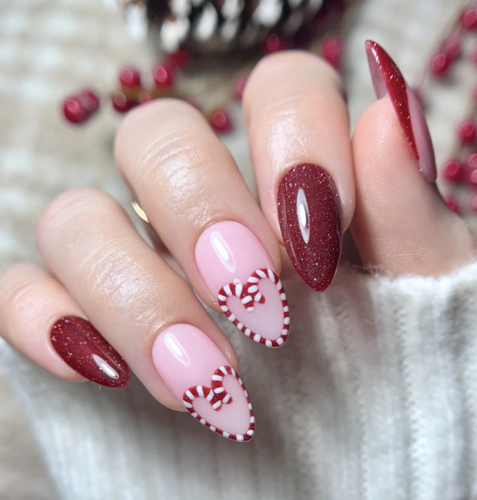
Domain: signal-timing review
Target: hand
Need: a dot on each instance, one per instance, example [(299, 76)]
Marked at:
[(314, 184)]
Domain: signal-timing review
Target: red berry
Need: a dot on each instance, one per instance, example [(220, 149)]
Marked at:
[(440, 64), (163, 75), (220, 121), (467, 131), (129, 77), (274, 43), (468, 18), (453, 171), (178, 58), (452, 47), (239, 87), (74, 110), (451, 202), (90, 100), (470, 171), (471, 177), (333, 51), (120, 103)]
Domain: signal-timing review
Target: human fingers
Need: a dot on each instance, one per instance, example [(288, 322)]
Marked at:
[(39, 318), (195, 198), (144, 310)]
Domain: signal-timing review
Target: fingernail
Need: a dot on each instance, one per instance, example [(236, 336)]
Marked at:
[(199, 375), (388, 79), (83, 348), (308, 212), (240, 274)]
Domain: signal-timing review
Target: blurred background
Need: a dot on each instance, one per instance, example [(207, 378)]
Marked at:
[(51, 48)]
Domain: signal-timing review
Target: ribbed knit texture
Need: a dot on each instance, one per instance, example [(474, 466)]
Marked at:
[(373, 397)]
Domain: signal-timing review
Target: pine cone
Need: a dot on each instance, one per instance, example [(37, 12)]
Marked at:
[(219, 26)]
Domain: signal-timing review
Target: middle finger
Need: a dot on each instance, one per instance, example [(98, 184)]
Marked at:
[(197, 201)]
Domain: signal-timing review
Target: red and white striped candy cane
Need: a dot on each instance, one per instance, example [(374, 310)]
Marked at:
[(250, 295), (217, 397)]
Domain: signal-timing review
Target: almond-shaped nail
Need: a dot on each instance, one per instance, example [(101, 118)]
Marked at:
[(83, 348), (388, 79), (309, 216), (200, 376), (241, 276)]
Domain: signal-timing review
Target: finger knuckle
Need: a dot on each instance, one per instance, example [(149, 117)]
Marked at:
[(17, 283), (67, 207), (173, 158)]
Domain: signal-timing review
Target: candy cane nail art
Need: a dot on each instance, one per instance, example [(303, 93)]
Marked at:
[(200, 376), (217, 397), (250, 296), (240, 274)]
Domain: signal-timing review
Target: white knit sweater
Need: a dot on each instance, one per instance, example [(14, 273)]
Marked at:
[(374, 397)]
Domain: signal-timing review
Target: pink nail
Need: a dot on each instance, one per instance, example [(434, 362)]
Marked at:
[(197, 373), (388, 79), (241, 276)]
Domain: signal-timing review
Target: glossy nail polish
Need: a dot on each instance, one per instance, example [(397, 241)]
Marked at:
[(240, 274), (200, 376), (388, 79), (83, 348), (309, 216)]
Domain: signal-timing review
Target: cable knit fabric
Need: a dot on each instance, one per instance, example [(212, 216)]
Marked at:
[(372, 398)]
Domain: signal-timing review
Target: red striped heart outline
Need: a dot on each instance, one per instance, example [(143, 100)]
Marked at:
[(217, 397), (250, 295)]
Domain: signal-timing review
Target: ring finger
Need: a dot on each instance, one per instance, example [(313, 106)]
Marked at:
[(144, 310)]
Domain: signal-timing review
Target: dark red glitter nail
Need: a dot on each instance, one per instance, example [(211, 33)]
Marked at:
[(388, 78), (83, 348), (308, 211)]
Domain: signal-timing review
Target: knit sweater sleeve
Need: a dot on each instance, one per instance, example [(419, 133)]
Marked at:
[(373, 397)]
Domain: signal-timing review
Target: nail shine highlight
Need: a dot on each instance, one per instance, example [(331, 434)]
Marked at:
[(200, 376), (84, 349), (240, 274)]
